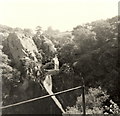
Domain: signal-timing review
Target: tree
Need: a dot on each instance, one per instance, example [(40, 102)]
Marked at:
[(66, 53), (19, 30), (28, 31), (104, 29), (84, 38)]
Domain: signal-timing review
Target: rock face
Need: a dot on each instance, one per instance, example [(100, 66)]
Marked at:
[(17, 44)]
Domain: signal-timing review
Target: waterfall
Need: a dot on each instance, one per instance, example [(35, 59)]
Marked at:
[(48, 86)]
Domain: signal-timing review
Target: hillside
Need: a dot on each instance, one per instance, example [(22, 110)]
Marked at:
[(88, 52)]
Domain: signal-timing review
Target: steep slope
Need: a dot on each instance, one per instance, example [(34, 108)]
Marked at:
[(19, 47), (17, 44)]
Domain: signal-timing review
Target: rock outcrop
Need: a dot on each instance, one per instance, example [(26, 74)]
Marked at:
[(17, 44)]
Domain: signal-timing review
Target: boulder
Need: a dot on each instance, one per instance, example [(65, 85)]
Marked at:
[(17, 43)]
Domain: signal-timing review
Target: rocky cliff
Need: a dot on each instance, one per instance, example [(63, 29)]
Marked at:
[(17, 44), (21, 47)]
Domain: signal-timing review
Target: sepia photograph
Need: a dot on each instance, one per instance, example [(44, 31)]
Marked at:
[(59, 57)]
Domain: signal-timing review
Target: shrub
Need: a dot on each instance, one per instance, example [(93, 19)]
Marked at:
[(94, 102)]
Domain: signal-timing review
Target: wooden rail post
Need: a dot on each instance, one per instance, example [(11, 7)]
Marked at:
[(83, 97)]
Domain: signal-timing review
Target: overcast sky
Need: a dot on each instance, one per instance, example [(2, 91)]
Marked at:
[(60, 14)]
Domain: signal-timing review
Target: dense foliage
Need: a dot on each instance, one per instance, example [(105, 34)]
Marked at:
[(94, 54)]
